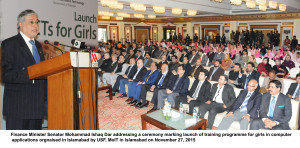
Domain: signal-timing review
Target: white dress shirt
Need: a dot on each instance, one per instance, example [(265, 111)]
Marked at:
[(218, 98), (27, 39)]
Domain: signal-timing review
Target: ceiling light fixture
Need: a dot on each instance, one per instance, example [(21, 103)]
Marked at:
[(159, 9), (282, 7), (176, 11), (191, 12)]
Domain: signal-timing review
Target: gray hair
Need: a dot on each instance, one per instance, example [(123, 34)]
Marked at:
[(21, 16)]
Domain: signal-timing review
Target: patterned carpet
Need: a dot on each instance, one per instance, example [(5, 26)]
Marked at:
[(116, 114)]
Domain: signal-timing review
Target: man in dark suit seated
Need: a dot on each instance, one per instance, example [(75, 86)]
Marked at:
[(178, 86), (294, 92), (184, 54), (163, 60), (275, 110), (248, 75), (139, 55), (244, 109), (198, 94), (187, 66), (24, 100), (130, 72), (148, 60), (193, 57), (163, 80), (135, 89), (234, 75), (215, 72), (222, 96), (140, 73), (196, 70), (131, 55), (173, 65), (127, 47)]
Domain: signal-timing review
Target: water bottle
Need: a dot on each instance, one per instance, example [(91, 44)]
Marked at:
[(104, 82), (195, 113), (181, 108)]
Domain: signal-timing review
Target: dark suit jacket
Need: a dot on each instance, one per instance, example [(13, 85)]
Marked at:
[(140, 57), (132, 71), (182, 56), (182, 86), (112, 67), (173, 66), (282, 111), (252, 105), (254, 75), (204, 92), (152, 78), (196, 57), (188, 69), (167, 80), (129, 57), (228, 95), (140, 75), (148, 63), (160, 64), (196, 74), (127, 49), (292, 89), (23, 98), (105, 65), (215, 77)]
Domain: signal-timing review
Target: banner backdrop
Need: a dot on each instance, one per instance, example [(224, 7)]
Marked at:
[(60, 20)]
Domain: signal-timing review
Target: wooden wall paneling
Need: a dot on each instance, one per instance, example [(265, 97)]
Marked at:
[(154, 34), (114, 32), (142, 33)]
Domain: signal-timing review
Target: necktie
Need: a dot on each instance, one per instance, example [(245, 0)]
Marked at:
[(195, 95), (161, 80), (247, 79), (176, 83), (272, 107), (217, 94), (148, 76), (35, 52), (297, 92), (145, 62), (128, 72), (244, 104), (215, 69)]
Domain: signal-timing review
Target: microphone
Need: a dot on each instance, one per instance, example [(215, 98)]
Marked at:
[(58, 43), (78, 44), (47, 42)]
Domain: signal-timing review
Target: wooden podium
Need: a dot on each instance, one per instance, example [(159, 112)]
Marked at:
[(65, 110)]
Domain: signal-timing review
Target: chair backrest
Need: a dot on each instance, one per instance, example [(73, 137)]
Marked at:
[(293, 72), (295, 115)]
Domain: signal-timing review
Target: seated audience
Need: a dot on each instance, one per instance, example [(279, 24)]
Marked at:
[(148, 60), (226, 62), (267, 80), (178, 87), (244, 109), (275, 110), (173, 65), (198, 94), (215, 72), (249, 74), (118, 71), (288, 62), (196, 69), (187, 66), (264, 67), (280, 69), (163, 60), (294, 93), (234, 75), (221, 98), (135, 89)]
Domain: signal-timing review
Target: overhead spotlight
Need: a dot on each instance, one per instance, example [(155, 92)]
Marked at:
[(176, 11), (159, 9), (191, 12)]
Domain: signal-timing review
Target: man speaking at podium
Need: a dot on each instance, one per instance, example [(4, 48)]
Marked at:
[(23, 101)]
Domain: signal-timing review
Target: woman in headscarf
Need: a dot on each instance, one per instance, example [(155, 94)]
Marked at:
[(253, 59), (280, 69), (264, 67), (278, 55), (269, 54), (288, 62), (238, 59)]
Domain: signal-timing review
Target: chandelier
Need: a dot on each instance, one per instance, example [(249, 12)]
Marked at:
[(105, 13), (119, 18), (236, 2), (262, 7), (112, 4), (251, 4), (273, 4), (138, 7), (218, 1), (123, 14), (176, 11), (159, 9), (282, 7), (191, 12), (150, 16), (105, 17), (261, 2), (139, 15)]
